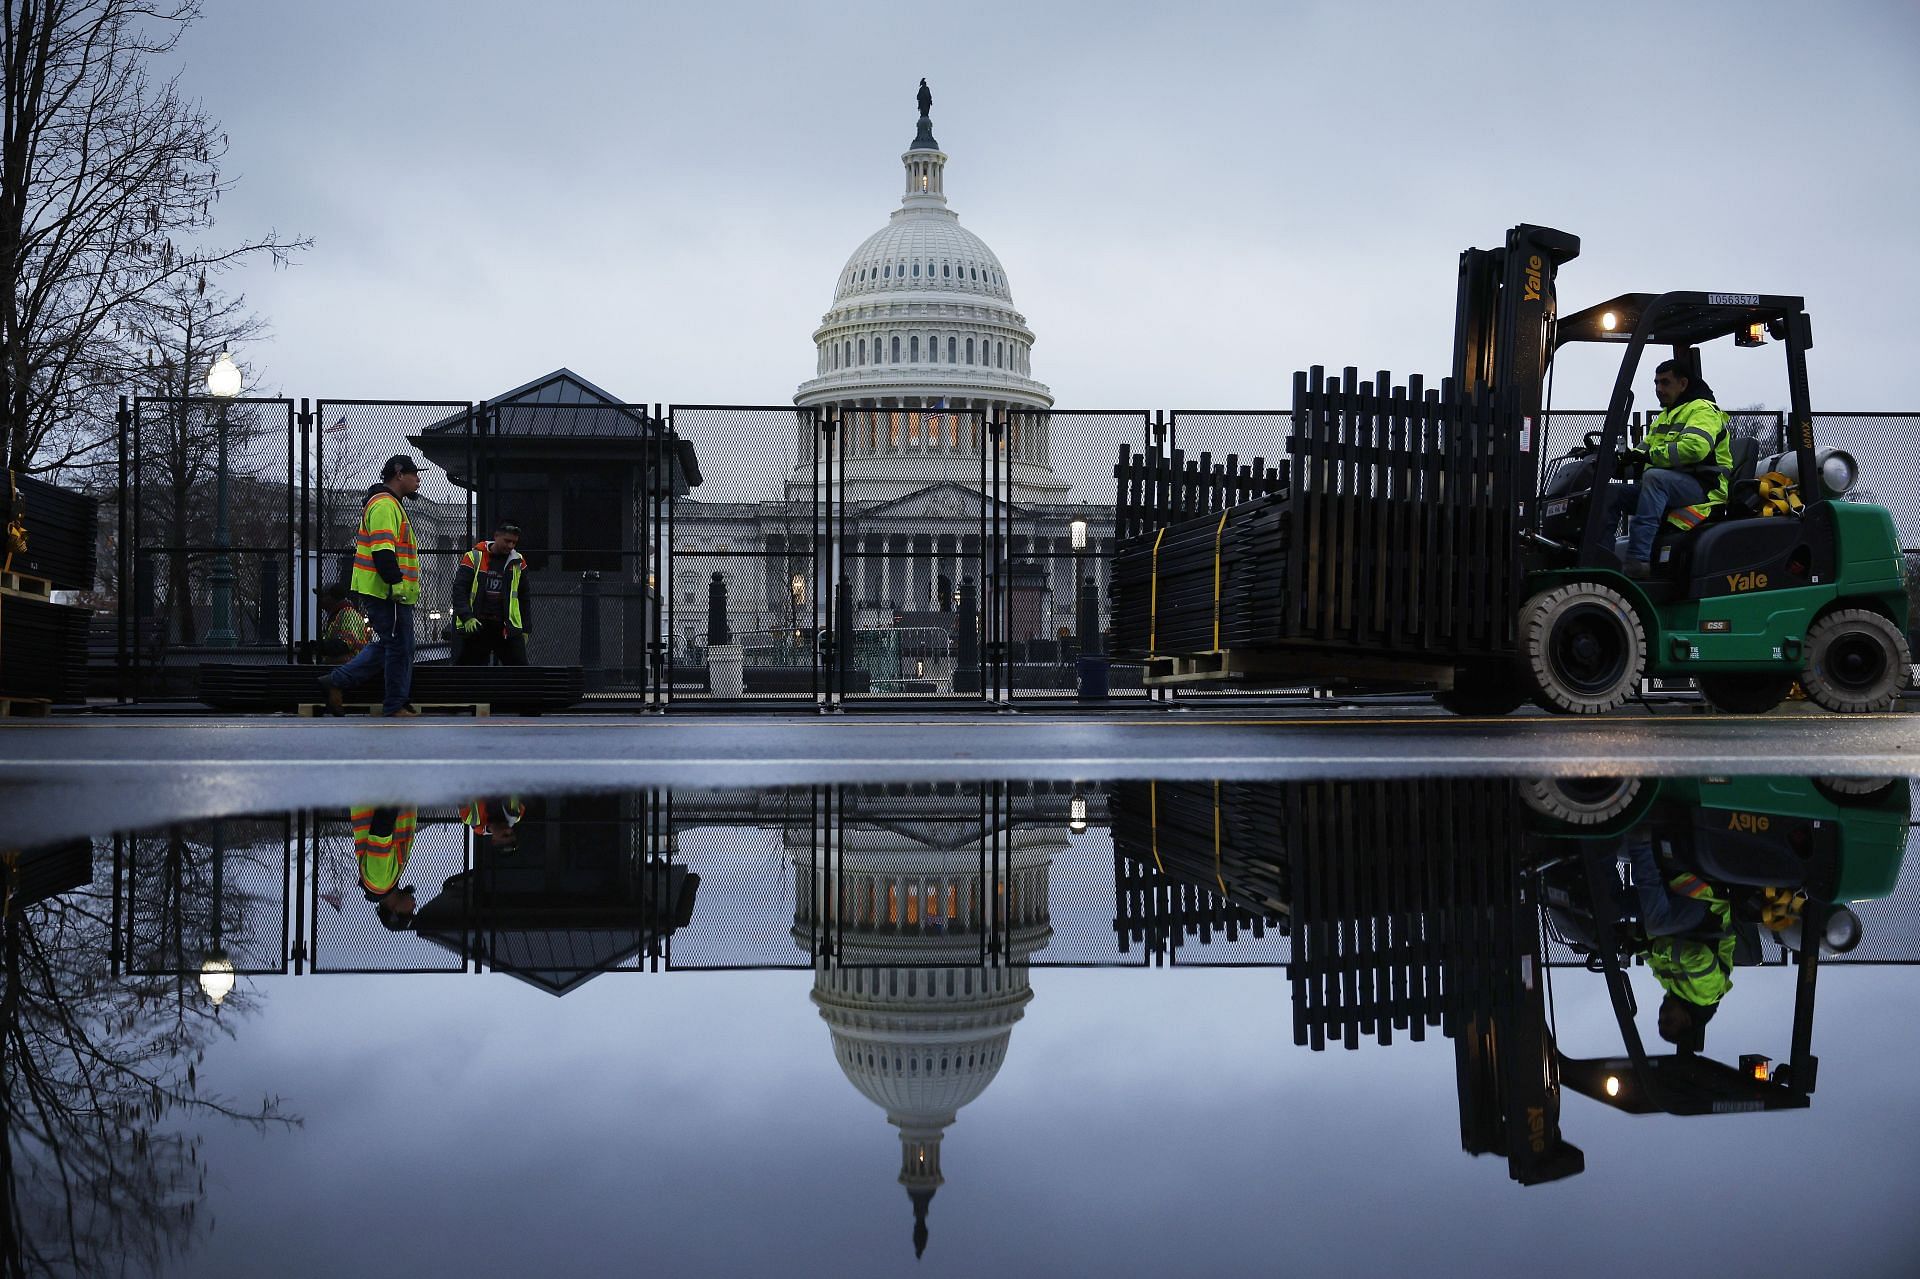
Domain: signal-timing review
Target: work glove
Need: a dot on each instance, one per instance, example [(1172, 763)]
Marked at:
[(1633, 457), (469, 625)]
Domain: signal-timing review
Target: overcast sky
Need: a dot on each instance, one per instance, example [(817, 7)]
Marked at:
[(1190, 202)]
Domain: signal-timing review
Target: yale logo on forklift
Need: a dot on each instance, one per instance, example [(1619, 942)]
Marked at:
[(1746, 581), (1534, 266), (1751, 823)]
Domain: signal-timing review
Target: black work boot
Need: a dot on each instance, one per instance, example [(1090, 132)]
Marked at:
[(1635, 569)]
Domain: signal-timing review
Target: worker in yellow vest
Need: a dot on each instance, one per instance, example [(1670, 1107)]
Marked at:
[(386, 577), (382, 843), (490, 601)]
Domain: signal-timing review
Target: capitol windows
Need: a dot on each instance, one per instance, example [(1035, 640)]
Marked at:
[(946, 270), (886, 270), (913, 350), (862, 347), (952, 346), (916, 270), (969, 350), (896, 350), (1000, 354)]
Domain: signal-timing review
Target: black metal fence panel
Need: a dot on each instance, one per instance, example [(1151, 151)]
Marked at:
[(211, 489)]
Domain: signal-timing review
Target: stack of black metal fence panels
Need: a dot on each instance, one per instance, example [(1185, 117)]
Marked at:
[(62, 528), (1394, 534), (526, 689), (43, 649)]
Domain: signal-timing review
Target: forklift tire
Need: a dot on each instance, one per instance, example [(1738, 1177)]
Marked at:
[(1748, 693), (1485, 688), (1583, 647), (1856, 662), (1579, 801)]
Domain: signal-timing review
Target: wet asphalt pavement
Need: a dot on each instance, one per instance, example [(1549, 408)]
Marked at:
[(90, 775)]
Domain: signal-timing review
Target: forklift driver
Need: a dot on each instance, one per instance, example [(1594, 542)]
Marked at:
[(1685, 463)]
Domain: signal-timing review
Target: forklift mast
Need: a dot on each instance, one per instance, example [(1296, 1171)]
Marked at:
[(1503, 329)]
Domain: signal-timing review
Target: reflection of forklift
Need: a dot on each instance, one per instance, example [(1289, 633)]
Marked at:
[(1418, 903), (1789, 854), (1778, 583)]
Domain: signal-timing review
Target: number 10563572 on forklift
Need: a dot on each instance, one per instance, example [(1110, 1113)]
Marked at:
[(1777, 583)]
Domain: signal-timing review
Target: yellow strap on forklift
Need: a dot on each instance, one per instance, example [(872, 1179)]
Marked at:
[(1218, 529), (1153, 596)]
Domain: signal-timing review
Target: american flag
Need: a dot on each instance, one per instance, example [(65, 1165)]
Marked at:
[(338, 427)]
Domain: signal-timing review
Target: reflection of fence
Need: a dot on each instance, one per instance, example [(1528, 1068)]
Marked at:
[(557, 890)]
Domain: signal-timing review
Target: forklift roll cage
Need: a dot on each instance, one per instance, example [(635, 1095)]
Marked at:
[(1683, 321)]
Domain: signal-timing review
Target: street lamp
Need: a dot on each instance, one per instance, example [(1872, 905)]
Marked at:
[(796, 596), (1077, 814), (216, 977), (1078, 532), (223, 383)]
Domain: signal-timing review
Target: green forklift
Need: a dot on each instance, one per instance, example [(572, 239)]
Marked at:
[(1781, 583)]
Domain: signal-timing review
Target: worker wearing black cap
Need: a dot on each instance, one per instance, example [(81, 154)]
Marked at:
[(386, 577)]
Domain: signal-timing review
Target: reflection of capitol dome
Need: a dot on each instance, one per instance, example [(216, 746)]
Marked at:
[(918, 1025), (923, 321)]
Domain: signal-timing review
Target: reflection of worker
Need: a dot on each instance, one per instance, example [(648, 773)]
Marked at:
[(1687, 459), (494, 818), (382, 842), (343, 627), (1689, 943), (489, 601)]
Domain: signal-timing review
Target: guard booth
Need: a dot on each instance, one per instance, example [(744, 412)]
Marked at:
[(586, 476)]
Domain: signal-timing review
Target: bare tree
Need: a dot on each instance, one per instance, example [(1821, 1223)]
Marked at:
[(108, 179), (181, 327), (96, 1073)]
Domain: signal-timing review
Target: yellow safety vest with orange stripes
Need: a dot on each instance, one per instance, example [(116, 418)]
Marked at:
[(384, 527), (1693, 437), (383, 858)]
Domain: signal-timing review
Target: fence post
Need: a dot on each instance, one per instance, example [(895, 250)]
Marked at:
[(123, 556)]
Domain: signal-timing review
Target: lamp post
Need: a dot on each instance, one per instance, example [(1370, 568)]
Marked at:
[(796, 596), (1077, 813), (223, 383), (1078, 532)]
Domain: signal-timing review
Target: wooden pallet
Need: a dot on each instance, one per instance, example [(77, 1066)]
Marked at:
[(24, 707), (39, 588), (1240, 666), (480, 710)]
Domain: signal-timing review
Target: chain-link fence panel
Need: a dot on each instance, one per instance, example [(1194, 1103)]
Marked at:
[(1887, 448), (920, 506), (1059, 546), (194, 898), (382, 847), (211, 488), (750, 877), (743, 575)]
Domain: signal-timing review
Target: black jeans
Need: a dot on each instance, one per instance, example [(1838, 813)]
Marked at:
[(493, 640)]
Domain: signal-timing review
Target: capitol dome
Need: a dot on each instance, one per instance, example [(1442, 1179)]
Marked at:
[(921, 343)]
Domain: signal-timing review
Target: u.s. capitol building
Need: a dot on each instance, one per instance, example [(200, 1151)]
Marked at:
[(922, 345)]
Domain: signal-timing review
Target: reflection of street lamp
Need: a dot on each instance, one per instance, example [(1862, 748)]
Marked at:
[(1077, 814), (216, 977), (216, 974), (223, 383)]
